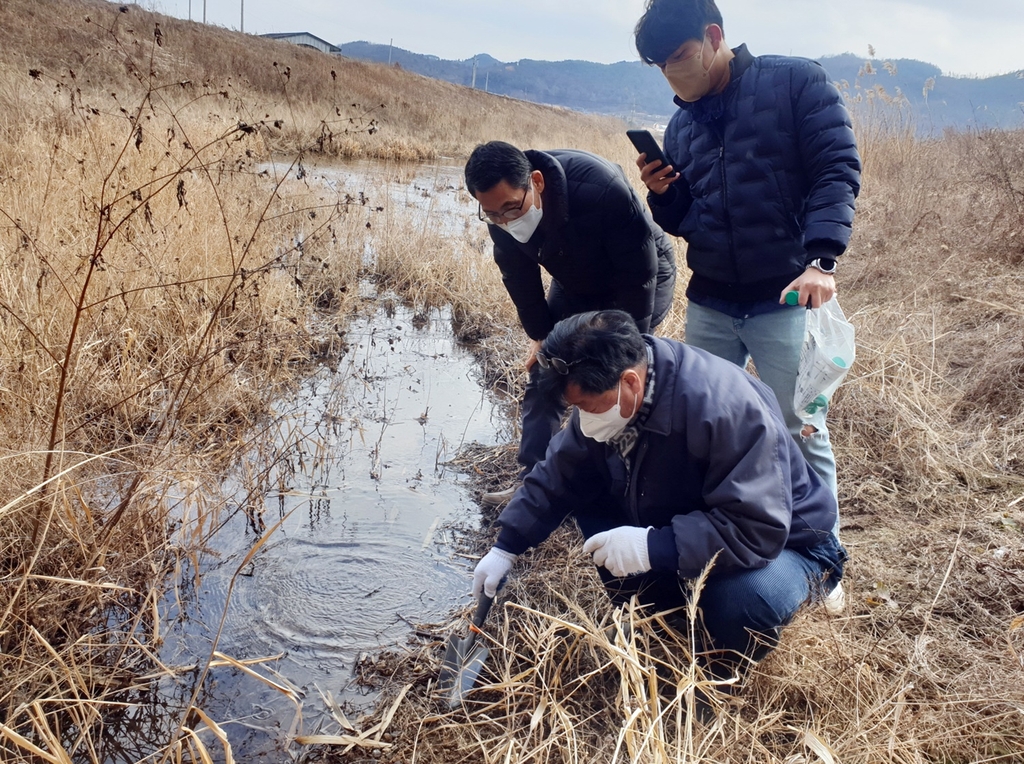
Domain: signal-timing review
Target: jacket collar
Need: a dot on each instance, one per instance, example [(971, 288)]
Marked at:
[(659, 421), (555, 199), (711, 104)]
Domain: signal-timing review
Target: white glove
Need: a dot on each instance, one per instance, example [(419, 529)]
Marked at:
[(491, 569), (622, 550)]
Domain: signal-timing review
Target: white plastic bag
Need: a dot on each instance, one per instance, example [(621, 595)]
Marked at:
[(827, 354)]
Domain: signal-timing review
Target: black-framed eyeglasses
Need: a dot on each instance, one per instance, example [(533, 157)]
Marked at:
[(562, 367), (508, 215)]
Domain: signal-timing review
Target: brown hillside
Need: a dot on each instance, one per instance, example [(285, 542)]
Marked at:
[(357, 108)]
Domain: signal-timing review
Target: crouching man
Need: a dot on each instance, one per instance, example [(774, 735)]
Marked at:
[(672, 456)]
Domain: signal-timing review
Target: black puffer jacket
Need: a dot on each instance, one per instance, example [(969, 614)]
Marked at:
[(770, 172), (712, 472), (596, 239)]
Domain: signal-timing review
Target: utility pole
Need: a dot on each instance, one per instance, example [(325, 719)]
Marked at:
[(204, 11), (189, 10), (390, 46), (473, 85), (487, 82), (242, 22)]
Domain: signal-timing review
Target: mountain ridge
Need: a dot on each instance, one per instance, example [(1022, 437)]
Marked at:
[(639, 94)]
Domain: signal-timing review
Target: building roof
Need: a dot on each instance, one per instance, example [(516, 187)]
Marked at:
[(305, 39)]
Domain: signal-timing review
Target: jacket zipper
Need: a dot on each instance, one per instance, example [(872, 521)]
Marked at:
[(634, 507), (725, 207)]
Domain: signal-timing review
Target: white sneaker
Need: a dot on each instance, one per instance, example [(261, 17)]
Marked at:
[(835, 600)]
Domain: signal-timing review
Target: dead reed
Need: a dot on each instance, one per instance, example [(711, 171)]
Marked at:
[(926, 662), (159, 284), (159, 278)]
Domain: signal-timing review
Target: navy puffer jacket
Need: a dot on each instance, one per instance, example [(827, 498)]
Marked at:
[(770, 172)]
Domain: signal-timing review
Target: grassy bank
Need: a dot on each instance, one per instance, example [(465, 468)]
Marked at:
[(308, 100), (154, 298), (160, 285), (925, 663)]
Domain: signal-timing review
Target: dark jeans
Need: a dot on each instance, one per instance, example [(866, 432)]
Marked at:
[(542, 417), (743, 611)]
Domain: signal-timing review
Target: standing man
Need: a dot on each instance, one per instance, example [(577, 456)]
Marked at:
[(761, 180), (575, 215), (673, 458)]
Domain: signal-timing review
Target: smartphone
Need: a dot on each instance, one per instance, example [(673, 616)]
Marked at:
[(646, 144)]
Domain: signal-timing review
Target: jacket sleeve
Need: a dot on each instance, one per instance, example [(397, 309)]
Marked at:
[(670, 208), (828, 153), (628, 238), (569, 479), (522, 280), (747, 486)]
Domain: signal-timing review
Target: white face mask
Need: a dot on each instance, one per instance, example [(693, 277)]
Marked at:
[(606, 425), (522, 228)]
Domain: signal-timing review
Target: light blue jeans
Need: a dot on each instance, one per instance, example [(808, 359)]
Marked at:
[(773, 340)]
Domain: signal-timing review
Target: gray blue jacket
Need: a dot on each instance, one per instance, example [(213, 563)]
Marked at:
[(714, 470), (770, 173)]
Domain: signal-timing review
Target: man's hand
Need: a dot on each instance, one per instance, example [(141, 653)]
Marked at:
[(622, 550), (531, 353), (815, 288), (654, 176), (491, 571)]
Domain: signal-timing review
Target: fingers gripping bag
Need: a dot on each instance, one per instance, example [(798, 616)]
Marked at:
[(827, 354)]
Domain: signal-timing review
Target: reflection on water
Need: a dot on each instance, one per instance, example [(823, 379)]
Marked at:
[(364, 552), (366, 508), (436, 192)]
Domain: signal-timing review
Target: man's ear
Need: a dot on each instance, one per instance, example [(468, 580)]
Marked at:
[(715, 34), (632, 379), (537, 178)]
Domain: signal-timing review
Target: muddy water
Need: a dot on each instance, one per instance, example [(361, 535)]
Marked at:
[(368, 514)]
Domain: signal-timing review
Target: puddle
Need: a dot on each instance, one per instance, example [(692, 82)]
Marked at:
[(435, 192), (367, 508), (364, 552)]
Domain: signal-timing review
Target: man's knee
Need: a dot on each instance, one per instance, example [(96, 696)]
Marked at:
[(745, 612), (740, 630)]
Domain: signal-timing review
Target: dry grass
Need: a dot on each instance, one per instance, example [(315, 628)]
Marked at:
[(332, 105), (144, 332), (153, 300), (926, 662)]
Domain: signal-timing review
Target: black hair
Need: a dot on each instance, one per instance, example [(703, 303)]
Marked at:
[(491, 163), (597, 347), (667, 24)]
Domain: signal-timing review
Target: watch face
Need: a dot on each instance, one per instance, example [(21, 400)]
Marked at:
[(825, 264)]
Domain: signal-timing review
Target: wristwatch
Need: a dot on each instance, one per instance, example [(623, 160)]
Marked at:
[(824, 264)]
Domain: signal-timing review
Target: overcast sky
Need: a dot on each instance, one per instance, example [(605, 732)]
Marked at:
[(972, 37)]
